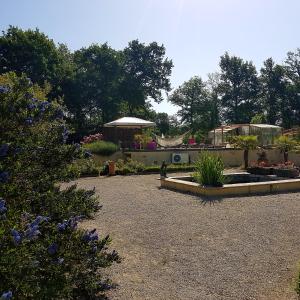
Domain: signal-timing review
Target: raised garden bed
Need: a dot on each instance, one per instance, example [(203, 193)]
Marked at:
[(239, 185)]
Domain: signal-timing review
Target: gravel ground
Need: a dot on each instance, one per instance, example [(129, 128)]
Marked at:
[(179, 246)]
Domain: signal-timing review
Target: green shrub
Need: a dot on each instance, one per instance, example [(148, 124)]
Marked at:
[(43, 255), (180, 167), (199, 137), (101, 147), (134, 167), (209, 170), (83, 168), (129, 166)]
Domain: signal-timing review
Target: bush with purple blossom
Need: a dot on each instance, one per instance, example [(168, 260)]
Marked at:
[(43, 252)]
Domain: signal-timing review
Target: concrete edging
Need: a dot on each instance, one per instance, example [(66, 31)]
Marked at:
[(175, 183)]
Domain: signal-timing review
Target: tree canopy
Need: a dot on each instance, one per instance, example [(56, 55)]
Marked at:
[(239, 88), (98, 83), (192, 99)]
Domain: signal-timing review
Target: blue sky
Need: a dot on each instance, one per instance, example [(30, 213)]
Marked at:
[(195, 32)]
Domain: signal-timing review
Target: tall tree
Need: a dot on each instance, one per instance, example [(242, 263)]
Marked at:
[(93, 95), (215, 100), (162, 122), (192, 98), (239, 88), (273, 87), (176, 127), (292, 67), (146, 73), (33, 53)]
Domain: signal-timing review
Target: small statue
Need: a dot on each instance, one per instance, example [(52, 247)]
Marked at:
[(163, 170)]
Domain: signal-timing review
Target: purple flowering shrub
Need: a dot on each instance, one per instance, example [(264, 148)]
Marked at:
[(43, 253)]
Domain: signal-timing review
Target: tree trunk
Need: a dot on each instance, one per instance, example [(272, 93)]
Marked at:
[(285, 156), (246, 158)]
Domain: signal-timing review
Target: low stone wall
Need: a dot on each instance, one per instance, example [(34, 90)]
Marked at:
[(231, 157), (99, 159), (294, 157)]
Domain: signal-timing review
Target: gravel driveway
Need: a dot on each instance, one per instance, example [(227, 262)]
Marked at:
[(177, 246)]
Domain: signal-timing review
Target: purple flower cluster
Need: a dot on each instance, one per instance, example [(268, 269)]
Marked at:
[(6, 295), (52, 249), (43, 106), (28, 95), (17, 236), (29, 121), (90, 236), (31, 106), (32, 230), (59, 114), (3, 150), (3, 207), (4, 89), (65, 134), (35, 104), (4, 176), (71, 223)]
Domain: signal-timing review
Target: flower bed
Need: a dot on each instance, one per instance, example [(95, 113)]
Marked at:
[(281, 170)]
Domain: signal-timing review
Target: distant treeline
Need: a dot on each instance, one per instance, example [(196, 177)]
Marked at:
[(98, 84)]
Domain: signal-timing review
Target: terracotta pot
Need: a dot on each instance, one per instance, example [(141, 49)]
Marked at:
[(111, 168)]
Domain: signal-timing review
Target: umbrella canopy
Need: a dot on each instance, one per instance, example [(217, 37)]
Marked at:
[(130, 122)]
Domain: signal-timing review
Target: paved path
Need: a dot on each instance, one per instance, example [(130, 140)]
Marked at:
[(176, 246)]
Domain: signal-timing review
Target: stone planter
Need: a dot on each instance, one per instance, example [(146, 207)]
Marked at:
[(260, 170), (289, 173)]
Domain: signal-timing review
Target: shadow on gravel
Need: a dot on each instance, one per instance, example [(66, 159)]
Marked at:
[(203, 200)]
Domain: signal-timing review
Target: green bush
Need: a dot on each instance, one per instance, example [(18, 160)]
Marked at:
[(199, 137), (129, 166), (101, 147), (180, 167), (134, 167), (83, 168), (209, 170), (43, 255)]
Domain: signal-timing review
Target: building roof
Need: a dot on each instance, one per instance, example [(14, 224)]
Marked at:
[(265, 126), (130, 122), (227, 128)]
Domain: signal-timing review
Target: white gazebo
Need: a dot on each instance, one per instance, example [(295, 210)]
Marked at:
[(130, 122), (122, 131)]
